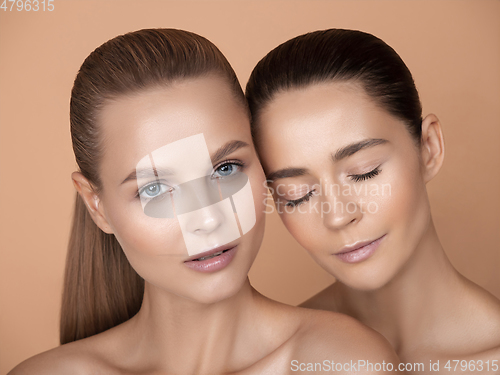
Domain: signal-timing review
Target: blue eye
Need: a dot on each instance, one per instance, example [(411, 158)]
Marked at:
[(226, 169), (154, 190)]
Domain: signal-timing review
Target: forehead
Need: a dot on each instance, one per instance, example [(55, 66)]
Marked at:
[(320, 117), (331, 106), (135, 125)]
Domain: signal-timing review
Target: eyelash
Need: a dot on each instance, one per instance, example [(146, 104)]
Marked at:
[(365, 176), (354, 177), (297, 202), (239, 163), (139, 191)]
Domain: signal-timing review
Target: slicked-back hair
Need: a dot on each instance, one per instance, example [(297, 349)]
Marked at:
[(336, 55)]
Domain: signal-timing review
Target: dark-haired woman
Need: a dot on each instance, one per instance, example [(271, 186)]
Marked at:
[(337, 123), (169, 218)]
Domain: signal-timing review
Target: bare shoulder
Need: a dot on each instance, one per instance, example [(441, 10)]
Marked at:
[(480, 315), (92, 355), (327, 337), (72, 358)]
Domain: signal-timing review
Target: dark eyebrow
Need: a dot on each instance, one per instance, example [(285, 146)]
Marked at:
[(286, 173), (341, 153), (227, 149), (351, 149), (147, 173)]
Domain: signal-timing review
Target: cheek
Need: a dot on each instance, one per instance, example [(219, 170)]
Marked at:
[(304, 228), (152, 246), (405, 211), (259, 194), (138, 233)]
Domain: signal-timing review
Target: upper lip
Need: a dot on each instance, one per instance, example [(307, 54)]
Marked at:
[(210, 252), (356, 246)]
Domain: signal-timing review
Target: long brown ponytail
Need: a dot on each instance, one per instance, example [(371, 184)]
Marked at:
[(101, 289)]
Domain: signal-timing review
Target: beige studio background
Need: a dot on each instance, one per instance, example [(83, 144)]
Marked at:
[(451, 47)]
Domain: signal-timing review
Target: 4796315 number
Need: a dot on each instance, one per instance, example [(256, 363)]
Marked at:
[(27, 5)]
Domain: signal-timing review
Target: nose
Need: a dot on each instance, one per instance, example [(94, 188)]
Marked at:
[(195, 194), (339, 212), (205, 221), (196, 202)]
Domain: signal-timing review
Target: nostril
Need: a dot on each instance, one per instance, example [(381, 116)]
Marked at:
[(204, 221), (207, 224)]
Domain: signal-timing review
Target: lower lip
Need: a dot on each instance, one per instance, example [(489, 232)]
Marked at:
[(360, 254), (213, 264)]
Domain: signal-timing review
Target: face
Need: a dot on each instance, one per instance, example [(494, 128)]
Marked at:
[(347, 181), (168, 153)]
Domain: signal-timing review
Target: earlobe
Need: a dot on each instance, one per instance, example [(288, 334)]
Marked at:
[(432, 146), (91, 200)]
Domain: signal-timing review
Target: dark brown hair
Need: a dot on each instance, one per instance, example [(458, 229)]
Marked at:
[(337, 55), (101, 289)]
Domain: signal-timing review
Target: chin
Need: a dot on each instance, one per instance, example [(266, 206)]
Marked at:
[(367, 283), (219, 292), (365, 277), (373, 273)]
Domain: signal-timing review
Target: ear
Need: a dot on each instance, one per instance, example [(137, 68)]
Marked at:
[(92, 201), (432, 147)]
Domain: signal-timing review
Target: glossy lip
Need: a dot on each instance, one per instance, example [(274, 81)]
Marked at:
[(359, 251), (213, 264), (210, 252)]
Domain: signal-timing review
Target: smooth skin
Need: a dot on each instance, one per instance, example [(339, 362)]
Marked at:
[(407, 289), (191, 322)]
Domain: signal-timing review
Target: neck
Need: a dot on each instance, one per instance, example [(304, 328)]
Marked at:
[(420, 293), (192, 337)]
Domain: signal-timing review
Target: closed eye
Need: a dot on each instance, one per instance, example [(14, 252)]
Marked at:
[(365, 176), (297, 202)]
